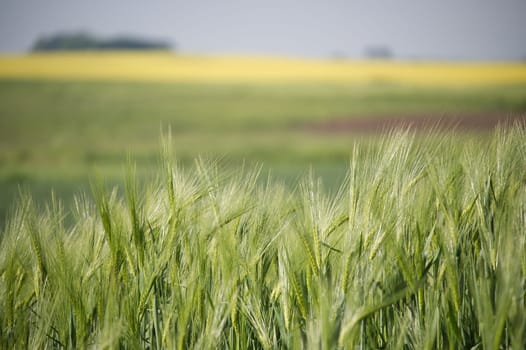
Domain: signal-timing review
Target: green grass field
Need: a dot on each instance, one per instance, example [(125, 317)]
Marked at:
[(60, 134)]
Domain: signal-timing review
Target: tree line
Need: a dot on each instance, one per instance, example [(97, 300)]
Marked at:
[(86, 41)]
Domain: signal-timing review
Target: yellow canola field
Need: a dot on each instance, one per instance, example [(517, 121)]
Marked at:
[(170, 67)]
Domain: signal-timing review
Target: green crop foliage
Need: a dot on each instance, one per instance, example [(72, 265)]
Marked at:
[(56, 134), (422, 247)]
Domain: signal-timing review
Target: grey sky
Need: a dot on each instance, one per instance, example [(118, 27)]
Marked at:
[(458, 29)]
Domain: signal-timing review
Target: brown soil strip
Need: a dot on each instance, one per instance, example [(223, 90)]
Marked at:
[(425, 121)]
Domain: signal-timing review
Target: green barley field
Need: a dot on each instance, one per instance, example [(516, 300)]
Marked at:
[(421, 246), (160, 213)]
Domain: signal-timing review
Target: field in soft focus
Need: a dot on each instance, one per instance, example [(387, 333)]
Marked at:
[(68, 118), (169, 67)]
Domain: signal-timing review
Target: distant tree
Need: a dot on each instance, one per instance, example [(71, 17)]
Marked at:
[(378, 52), (84, 41)]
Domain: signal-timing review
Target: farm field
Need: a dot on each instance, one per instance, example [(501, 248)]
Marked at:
[(60, 133), (421, 247), (170, 67), (66, 118), (260, 203)]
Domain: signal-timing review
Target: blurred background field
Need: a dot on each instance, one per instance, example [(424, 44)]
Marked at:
[(67, 118), (286, 85), (165, 66)]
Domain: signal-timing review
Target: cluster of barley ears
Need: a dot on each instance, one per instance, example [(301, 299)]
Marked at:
[(423, 247)]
